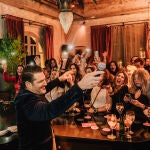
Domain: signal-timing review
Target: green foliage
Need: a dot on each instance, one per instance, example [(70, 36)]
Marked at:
[(11, 50)]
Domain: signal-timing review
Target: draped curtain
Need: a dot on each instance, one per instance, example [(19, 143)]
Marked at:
[(49, 45), (100, 40), (14, 27), (127, 40), (147, 40), (117, 42)]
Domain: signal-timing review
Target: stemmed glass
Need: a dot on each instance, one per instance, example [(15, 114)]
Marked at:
[(120, 108), (132, 117), (128, 120), (112, 122), (147, 113), (128, 96), (108, 107), (87, 106)]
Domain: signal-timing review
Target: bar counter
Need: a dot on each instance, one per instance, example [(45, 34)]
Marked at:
[(70, 135)]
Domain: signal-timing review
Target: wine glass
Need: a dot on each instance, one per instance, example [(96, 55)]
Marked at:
[(108, 107), (132, 117), (112, 122), (128, 96), (87, 106), (120, 108), (147, 114), (128, 122)]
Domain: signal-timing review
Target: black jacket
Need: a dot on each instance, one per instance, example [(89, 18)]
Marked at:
[(34, 114)]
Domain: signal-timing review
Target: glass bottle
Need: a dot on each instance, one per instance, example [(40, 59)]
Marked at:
[(121, 131)]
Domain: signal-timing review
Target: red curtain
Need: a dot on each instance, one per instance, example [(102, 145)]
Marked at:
[(49, 42), (101, 40), (14, 27), (147, 41)]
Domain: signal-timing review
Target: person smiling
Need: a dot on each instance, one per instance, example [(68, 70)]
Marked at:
[(120, 88), (33, 111)]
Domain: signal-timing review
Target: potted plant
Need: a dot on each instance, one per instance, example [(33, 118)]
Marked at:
[(11, 50)]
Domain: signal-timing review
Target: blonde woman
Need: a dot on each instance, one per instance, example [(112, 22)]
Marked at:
[(130, 69), (139, 92)]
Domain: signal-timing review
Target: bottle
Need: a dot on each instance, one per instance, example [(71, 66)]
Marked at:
[(121, 131)]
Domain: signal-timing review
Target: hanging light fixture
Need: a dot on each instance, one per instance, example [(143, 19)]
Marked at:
[(65, 15)]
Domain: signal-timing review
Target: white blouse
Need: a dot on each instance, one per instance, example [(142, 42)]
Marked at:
[(98, 97)]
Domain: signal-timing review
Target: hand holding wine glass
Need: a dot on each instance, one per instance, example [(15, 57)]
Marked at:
[(127, 97), (147, 114)]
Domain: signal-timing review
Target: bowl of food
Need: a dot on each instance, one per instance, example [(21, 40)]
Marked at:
[(105, 131)]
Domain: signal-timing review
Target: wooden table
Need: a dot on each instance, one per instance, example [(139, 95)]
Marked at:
[(72, 136)]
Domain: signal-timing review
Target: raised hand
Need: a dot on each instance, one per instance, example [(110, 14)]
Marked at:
[(90, 80)]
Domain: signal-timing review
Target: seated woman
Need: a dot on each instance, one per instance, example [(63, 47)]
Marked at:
[(100, 95), (139, 90), (87, 92), (120, 88)]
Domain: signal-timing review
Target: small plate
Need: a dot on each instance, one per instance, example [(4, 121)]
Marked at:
[(95, 127)]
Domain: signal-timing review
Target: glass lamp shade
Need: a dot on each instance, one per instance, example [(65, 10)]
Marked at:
[(66, 18)]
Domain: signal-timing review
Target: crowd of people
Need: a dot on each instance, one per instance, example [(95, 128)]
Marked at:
[(44, 93)]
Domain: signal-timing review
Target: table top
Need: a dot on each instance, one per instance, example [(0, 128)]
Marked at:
[(67, 127), (70, 127)]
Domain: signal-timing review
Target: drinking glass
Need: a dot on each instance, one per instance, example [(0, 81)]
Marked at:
[(87, 106), (112, 122), (128, 120), (132, 117), (128, 96), (147, 113), (107, 106), (120, 108)]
